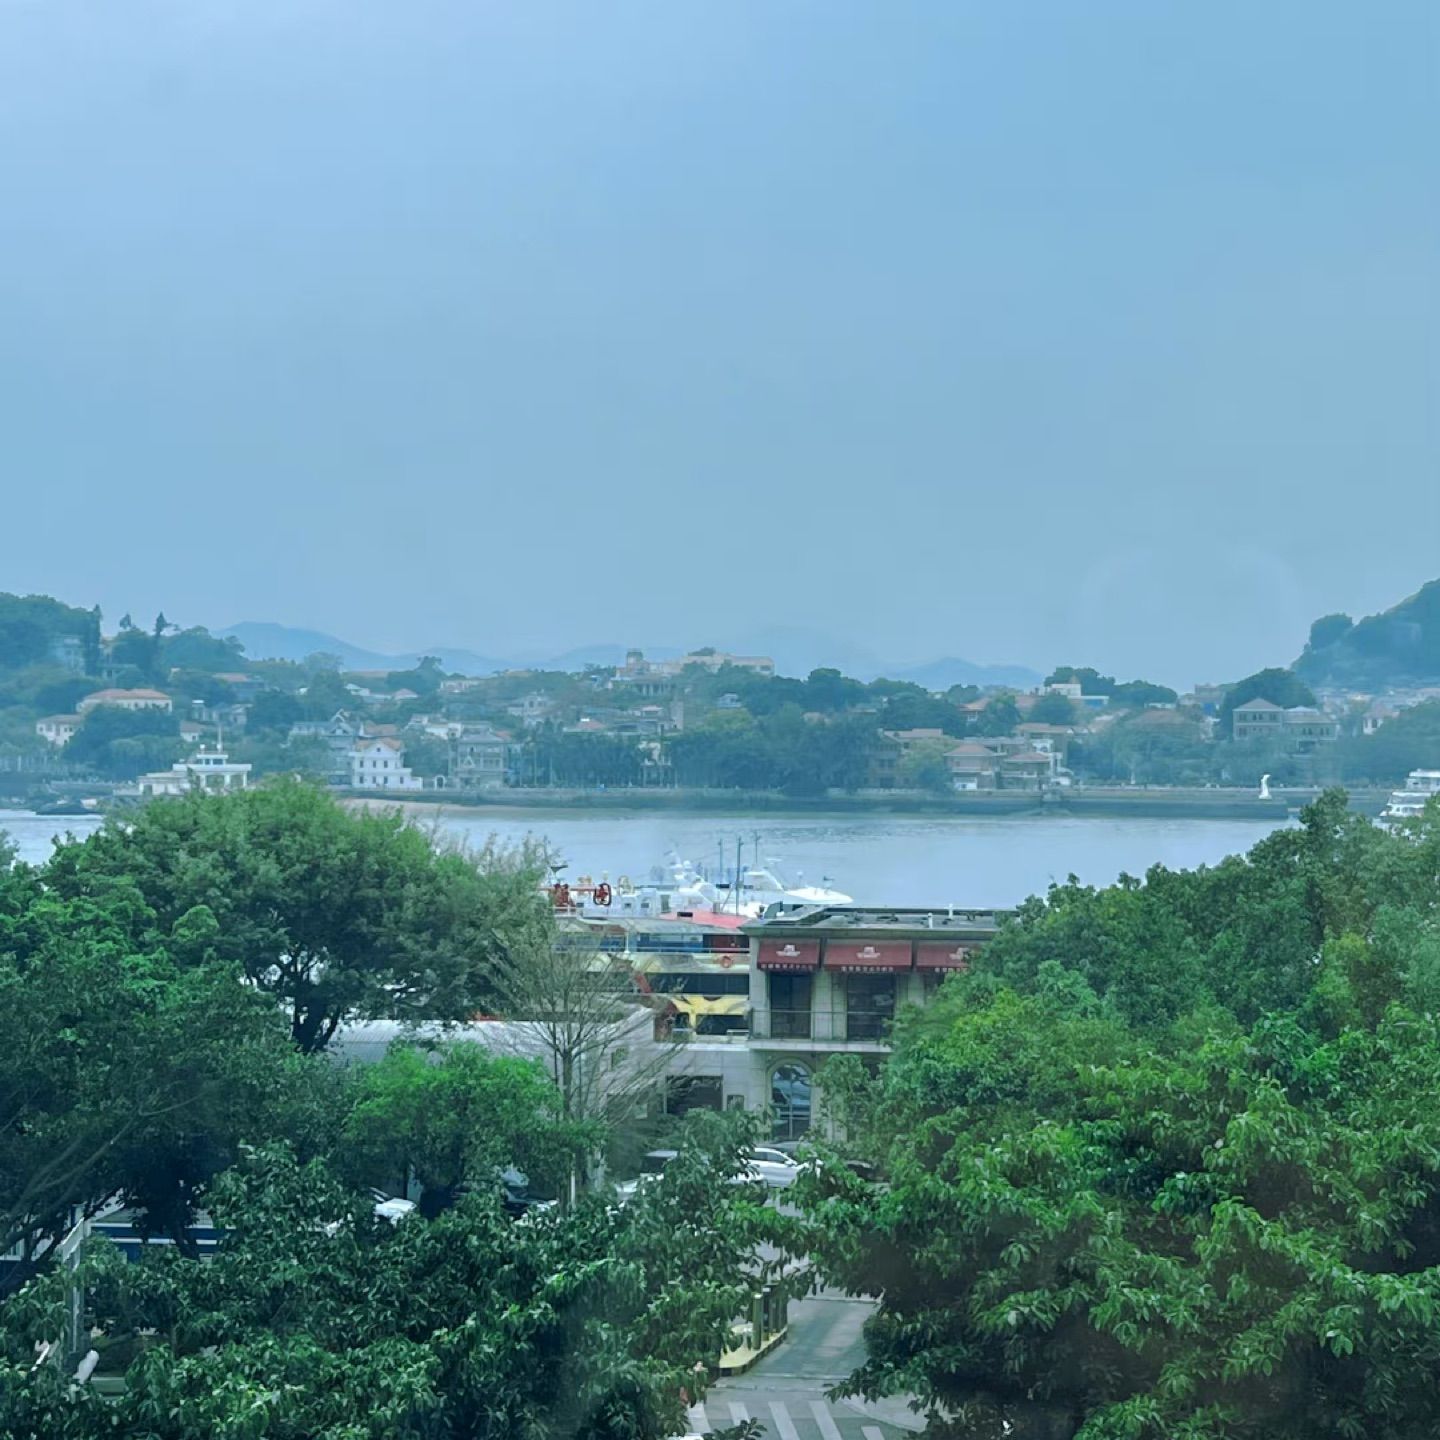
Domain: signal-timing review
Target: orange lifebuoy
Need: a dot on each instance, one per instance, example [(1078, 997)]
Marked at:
[(602, 893), (726, 961)]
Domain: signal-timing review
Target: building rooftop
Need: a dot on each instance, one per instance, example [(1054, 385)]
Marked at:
[(900, 921), (112, 694)]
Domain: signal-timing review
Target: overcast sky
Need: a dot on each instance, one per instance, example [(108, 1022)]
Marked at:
[(1097, 332)]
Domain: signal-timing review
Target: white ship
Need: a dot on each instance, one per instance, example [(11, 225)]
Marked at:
[(1420, 786), (682, 886)]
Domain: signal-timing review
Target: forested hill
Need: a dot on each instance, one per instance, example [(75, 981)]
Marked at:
[(1398, 647)]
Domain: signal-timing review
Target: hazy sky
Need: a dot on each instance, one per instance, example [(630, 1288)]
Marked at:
[(1100, 332)]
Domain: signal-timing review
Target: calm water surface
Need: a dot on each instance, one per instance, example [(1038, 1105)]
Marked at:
[(880, 859), (877, 859), (32, 835)]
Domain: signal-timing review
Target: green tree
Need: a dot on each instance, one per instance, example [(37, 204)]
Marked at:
[(1091, 682), (324, 694), (1053, 709), (334, 913), (22, 642), (427, 755), (923, 767), (197, 649), (274, 711), (315, 1320), (1411, 741), (1081, 1239), (1136, 694), (457, 1117), (424, 679), (999, 717), (124, 1067), (121, 744), (139, 650)]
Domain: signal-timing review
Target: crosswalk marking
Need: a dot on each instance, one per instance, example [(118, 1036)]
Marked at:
[(699, 1420), (738, 1413), (828, 1428), (783, 1422), (872, 1432)]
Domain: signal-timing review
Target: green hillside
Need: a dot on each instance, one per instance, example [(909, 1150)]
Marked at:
[(31, 626), (1400, 646)]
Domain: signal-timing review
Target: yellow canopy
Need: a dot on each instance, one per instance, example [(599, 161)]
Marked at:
[(697, 1005)]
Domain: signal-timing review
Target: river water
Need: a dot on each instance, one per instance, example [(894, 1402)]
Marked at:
[(878, 859)]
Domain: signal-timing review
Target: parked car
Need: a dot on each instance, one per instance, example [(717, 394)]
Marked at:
[(653, 1164), (778, 1170), (391, 1207)]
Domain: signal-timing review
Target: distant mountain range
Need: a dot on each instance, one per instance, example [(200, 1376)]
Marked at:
[(264, 640), (794, 650)]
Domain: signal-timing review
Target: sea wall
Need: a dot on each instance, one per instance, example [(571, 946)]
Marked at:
[(1219, 803)]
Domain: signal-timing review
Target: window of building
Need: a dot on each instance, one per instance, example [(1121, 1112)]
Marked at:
[(790, 1105), (869, 1006), (694, 1092), (790, 1006)]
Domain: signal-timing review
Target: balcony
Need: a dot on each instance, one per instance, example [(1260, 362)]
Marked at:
[(818, 1029)]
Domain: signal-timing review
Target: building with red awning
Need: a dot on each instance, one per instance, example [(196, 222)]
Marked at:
[(944, 954), (866, 955), (788, 954)]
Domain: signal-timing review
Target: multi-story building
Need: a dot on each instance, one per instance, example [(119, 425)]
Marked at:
[(57, 729), (829, 980), (725, 1013), (532, 709), (378, 763), (339, 732), (1299, 729), (126, 700), (480, 758)]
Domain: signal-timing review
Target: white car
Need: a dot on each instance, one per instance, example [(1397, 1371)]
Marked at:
[(391, 1207), (777, 1169)]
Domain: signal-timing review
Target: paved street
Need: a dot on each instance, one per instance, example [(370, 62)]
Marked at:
[(786, 1390)]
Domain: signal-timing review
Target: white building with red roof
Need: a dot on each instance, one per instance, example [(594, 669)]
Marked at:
[(126, 700)]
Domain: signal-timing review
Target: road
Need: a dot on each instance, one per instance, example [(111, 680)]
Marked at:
[(786, 1390)]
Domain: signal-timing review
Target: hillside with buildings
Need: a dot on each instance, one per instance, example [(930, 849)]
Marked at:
[(146, 710)]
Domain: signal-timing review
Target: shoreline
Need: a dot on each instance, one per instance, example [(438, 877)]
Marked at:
[(1086, 803)]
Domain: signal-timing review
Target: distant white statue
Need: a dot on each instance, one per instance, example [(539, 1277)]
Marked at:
[(1264, 787)]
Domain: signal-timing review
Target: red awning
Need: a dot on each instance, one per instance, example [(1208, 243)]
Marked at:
[(867, 955), (789, 954), (944, 955)]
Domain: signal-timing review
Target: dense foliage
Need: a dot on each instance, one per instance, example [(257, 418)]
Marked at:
[(316, 1321), (160, 1049), (335, 913), (1166, 1162)]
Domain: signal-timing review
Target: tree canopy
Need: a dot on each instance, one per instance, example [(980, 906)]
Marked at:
[(335, 913), (1165, 1161)]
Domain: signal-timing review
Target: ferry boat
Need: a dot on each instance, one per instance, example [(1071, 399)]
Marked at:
[(1406, 804)]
